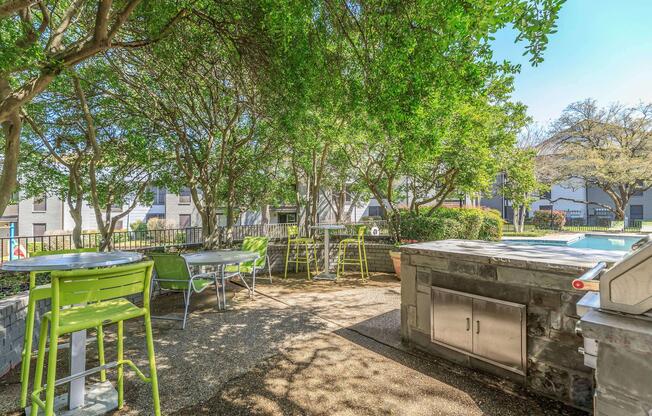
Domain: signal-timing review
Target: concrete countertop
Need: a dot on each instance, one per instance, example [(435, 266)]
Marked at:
[(551, 258)]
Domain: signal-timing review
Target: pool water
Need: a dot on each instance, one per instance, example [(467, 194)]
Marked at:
[(596, 242)]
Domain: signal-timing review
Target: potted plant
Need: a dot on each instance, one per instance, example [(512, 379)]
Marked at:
[(396, 260), (395, 255)]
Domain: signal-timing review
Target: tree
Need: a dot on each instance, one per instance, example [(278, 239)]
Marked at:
[(607, 148), (520, 183), (92, 152), (414, 63), (207, 119), (41, 39)]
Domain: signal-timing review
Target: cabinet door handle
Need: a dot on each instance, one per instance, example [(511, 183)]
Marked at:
[(477, 327), (468, 324)]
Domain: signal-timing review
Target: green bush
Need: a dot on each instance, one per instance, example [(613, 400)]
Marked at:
[(449, 223), (549, 220)]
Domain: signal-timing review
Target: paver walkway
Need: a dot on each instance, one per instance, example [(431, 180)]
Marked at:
[(315, 348)]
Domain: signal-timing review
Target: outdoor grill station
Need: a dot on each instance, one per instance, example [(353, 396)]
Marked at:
[(616, 324)]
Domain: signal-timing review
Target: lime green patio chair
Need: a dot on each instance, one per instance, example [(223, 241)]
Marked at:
[(88, 298), (173, 274), (295, 243), (256, 245), (37, 293), (360, 260)]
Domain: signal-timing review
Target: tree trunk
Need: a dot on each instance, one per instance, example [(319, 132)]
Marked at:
[(209, 228), (264, 214), (77, 229), (522, 219), (11, 130), (228, 238)]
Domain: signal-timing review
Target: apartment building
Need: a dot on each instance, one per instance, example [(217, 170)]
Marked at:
[(571, 196), (49, 214)]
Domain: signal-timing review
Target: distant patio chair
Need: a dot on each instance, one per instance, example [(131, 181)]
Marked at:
[(173, 274), (617, 226), (646, 226), (294, 244), (255, 245)]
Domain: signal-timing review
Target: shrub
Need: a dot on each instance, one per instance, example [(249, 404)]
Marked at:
[(449, 223), (492, 226), (547, 220), (138, 226)]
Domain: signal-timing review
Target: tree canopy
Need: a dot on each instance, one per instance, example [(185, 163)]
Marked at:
[(326, 101)]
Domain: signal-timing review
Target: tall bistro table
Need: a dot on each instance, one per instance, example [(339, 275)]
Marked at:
[(99, 398), (221, 259), (326, 274)]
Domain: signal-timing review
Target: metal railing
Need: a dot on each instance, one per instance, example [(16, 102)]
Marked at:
[(22, 246), (631, 226)]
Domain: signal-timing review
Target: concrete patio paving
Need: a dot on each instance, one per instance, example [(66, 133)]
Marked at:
[(318, 348)]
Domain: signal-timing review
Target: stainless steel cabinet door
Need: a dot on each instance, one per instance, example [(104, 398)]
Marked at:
[(498, 332), (451, 319)]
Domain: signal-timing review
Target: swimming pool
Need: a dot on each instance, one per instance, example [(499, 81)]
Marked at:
[(591, 241)]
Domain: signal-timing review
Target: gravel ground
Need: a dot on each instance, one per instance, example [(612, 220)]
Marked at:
[(318, 348)]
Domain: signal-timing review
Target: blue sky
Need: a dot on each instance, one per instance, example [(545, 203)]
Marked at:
[(602, 50)]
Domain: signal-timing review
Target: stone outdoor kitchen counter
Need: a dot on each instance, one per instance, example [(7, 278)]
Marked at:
[(538, 277)]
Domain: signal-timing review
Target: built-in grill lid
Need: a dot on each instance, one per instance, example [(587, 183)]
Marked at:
[(627, 285)]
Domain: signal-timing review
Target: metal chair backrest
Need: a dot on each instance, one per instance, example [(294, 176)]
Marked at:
[(257, 245), (64, 251), (95, 285), (171, 269), (293, 231), (361, 231)]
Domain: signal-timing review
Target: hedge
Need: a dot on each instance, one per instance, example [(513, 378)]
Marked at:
[(452, 223)]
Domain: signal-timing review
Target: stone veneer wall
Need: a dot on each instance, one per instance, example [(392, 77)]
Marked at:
[(13, 309), (554, 366), (378, 258)]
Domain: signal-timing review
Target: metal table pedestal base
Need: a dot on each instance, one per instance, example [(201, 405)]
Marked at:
[(325, 276), (101, 398)]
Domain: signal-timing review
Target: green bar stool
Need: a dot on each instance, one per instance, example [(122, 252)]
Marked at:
[(294, 243), (37, 293), (100, 292), (360, 260)]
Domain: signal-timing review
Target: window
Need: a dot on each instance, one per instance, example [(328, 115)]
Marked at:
[(119, 225), (184, 220), (287, 218), (38, 230), (375, 211), (545, 208), (159, 195), (40, 204), (347, 194), (184, 196), (636, 212), (150, 216), (546, 195)]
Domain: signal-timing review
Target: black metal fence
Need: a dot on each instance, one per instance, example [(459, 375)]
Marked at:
[(631, 226), (22, 246)]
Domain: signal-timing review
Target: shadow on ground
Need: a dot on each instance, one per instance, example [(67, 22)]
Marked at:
[(299, 347)]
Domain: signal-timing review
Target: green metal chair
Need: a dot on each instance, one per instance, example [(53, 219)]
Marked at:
[(88, 298), (361, 259), (257, 245), (173, 274), (295, 242), (37, 293)]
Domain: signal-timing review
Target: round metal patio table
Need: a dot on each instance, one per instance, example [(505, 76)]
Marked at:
[(102, 397), (221, 259), (326, 274)]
